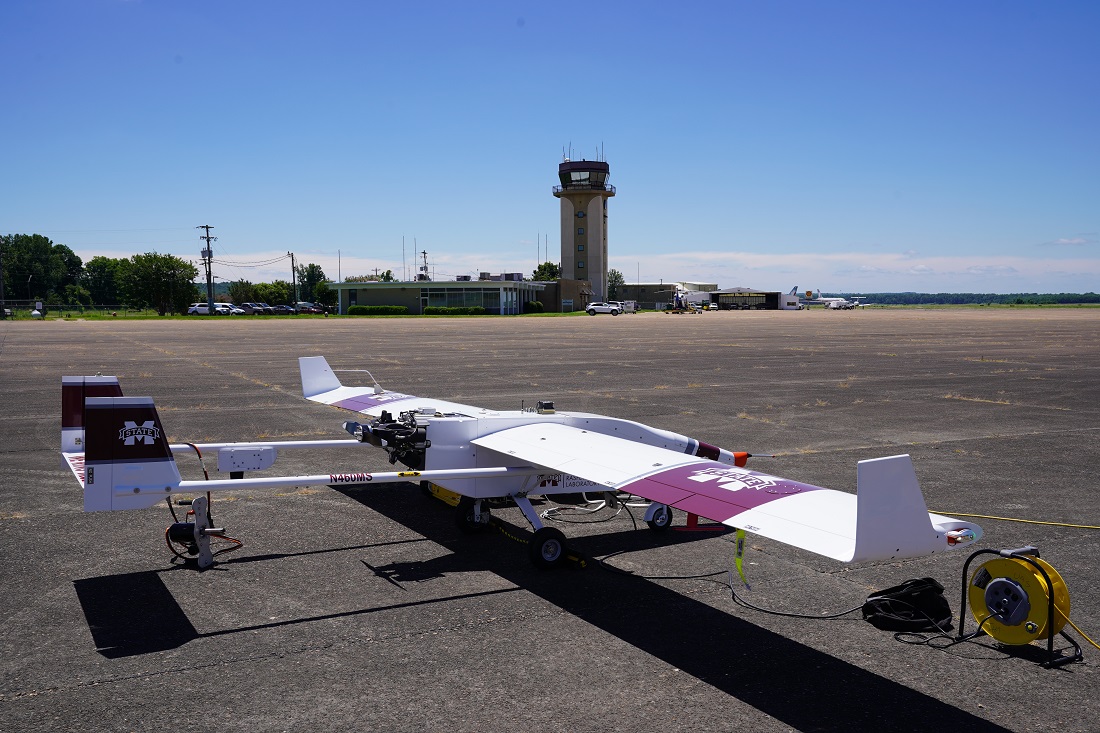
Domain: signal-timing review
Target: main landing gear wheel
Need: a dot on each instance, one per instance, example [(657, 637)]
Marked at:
[(464, 516), (547, 547), (662, 519)]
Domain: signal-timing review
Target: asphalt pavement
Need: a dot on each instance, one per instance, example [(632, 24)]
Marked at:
[(367, 608)]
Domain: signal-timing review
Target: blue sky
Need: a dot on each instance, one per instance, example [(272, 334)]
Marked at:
[(844, 146)]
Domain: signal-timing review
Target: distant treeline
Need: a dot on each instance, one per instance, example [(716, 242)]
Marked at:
[(975, 298)]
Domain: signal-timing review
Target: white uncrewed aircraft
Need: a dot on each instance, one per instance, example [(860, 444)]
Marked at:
[(814, 297), (119, 452)]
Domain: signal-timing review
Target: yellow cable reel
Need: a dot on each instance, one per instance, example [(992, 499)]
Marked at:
[(1015, 598)]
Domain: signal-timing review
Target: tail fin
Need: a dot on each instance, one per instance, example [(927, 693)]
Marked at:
[(74, 390), (892, 520), (794, 291), (128, 463)]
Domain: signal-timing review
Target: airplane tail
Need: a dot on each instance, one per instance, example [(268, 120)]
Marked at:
[(115, 445), (794, 291)]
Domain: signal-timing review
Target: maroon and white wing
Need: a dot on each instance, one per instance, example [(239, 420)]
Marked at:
[(320, 384), (886, 519)]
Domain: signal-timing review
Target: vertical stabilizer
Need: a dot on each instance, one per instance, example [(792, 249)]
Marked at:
[(891, 517), (127, 459), (74, 390)]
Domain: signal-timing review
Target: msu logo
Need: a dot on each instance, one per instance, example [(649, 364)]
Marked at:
[(132, 433), (734, 480)]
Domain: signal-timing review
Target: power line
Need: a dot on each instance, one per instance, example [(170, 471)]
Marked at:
[(230, 263)]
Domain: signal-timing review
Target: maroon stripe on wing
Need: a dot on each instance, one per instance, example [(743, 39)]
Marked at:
[(714, 490)]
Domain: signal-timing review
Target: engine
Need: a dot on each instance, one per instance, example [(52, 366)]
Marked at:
[(403, 439)]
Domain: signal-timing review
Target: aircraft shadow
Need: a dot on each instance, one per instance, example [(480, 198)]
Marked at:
[(132, 613), (801, 686), (135, 613)]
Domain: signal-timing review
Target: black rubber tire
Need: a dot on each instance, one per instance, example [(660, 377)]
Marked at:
[(547, 548), (662, 519), (464, 516), (614, 313)]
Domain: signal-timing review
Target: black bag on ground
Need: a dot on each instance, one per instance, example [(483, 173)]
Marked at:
[(915, 605)]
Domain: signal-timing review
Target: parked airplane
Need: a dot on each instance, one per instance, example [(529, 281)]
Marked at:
[(813, 297), (118, 450)]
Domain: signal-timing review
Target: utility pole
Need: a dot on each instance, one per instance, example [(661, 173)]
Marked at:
[(207, 255), (293, 282), (1, 279)]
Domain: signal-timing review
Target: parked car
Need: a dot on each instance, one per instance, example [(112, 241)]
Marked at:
[(256, 308), (304, 306), (220, 309), (267, 308), (613, 307), (283, 310)]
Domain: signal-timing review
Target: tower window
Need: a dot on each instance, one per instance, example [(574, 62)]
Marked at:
[(580, 214), (580, 264), (580, 230), (580, 247)]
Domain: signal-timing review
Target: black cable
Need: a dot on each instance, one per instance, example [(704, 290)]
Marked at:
[(745, 604), (603, 563), (922, 639), (554, 514)]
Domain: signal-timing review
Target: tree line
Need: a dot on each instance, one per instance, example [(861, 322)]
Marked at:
[(35, 268), (978, 298)]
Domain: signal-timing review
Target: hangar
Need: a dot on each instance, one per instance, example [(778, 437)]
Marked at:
[(751, 299), (503, 297)]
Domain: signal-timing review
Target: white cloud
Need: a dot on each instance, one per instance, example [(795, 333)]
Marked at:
[(991, 270), (845, 272), (1078, 241)]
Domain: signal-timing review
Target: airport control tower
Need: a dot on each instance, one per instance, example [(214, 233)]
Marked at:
[(584, 192)]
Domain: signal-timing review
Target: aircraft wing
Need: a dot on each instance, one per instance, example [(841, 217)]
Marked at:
[(320, 384), (886, 520)]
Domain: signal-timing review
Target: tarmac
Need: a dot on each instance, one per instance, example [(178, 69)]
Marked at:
[(367, 609)]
